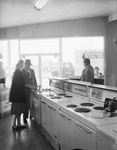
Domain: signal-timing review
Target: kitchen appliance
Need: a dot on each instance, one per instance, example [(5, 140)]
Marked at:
[(110, 105), (106, 137), (5, 105), (99, 106), (88, 109), (50, 109), (35, 106), (81, 107)]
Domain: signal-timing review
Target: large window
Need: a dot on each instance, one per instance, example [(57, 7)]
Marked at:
[(44, 54), (48, 59), (39, 46), (73, 51)]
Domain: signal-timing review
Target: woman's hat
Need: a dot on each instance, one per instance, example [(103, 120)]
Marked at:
[(28, 61)]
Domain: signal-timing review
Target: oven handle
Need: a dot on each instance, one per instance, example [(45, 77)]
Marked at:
[(51, 107), (65, 117), (82, 128), (43, 102)]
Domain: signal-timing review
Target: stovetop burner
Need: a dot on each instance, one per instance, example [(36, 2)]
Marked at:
[(98, 108), (55, 97), (87, 104), (68, 96), (61, 94), (82, 110), (71, 106), (49, 95)]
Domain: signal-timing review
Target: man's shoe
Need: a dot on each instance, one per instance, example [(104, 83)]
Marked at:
[(25, 120), (21, 127)]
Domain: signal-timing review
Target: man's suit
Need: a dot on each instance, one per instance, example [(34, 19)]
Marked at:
[(88, 74), (29, 77)]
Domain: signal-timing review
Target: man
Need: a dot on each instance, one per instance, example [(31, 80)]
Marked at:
[(30, 83), (88, 72)]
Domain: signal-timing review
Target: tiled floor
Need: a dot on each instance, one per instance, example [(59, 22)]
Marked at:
[(26, 139)]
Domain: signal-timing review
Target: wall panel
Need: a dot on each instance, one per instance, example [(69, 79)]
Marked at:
[(79, 27)]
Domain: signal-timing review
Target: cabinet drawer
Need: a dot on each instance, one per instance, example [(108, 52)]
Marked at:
[(5, 106), (4, 96)]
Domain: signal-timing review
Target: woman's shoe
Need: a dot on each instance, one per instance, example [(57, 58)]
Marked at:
[(15, 128)]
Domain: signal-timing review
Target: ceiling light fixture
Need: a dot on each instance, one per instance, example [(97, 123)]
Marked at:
[(39, 4)]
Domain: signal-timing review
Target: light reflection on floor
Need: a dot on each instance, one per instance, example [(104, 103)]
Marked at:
[(26, 139)]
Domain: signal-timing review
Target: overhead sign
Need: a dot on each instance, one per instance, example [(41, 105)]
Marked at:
[(94, 55)]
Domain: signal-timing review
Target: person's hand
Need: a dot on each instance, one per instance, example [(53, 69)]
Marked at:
[(30, 86)]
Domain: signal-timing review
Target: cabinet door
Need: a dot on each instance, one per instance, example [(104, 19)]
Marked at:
[(84, 137), (53, 122), (44, 109), (65, 131), (32, 105), (36, 110), (104, 143)]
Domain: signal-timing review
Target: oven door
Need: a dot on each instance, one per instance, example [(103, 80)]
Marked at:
[(84, 137)]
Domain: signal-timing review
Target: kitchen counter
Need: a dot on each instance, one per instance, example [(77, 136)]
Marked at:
[(109, 130), (88, 118)]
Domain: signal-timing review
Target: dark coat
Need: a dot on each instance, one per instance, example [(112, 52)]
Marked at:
[(29, 79), (17, 93), (88, 74)]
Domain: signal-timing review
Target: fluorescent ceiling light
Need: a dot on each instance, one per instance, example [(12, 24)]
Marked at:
[(39, 4)]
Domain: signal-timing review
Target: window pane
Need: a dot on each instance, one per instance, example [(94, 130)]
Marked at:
[(73, 50), (14, 51), (5, 58), (39, 46), (49, 68)]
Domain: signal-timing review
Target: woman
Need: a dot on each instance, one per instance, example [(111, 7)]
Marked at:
[(96, 72), (17, 96)]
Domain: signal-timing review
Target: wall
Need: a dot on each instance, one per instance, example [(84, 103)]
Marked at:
[(79, 27), (111, 54)]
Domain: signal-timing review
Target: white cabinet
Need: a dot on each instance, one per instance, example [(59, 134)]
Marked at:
[(104, 143), (50, 119), (5, 105), (36, 107), (45, 115), (53, 122), (65, 131), (84, 137)]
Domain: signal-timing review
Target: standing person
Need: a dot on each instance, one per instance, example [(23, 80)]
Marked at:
[(88, 72), (96, 72), (2, 74), (31, 83), (17, 96)]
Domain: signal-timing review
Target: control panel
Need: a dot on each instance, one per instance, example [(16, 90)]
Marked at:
[(96, 93), (80, 89), (102, 94), (77, 89), (57, 84)]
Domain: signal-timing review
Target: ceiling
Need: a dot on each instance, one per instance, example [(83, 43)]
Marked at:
[(22, 12)]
